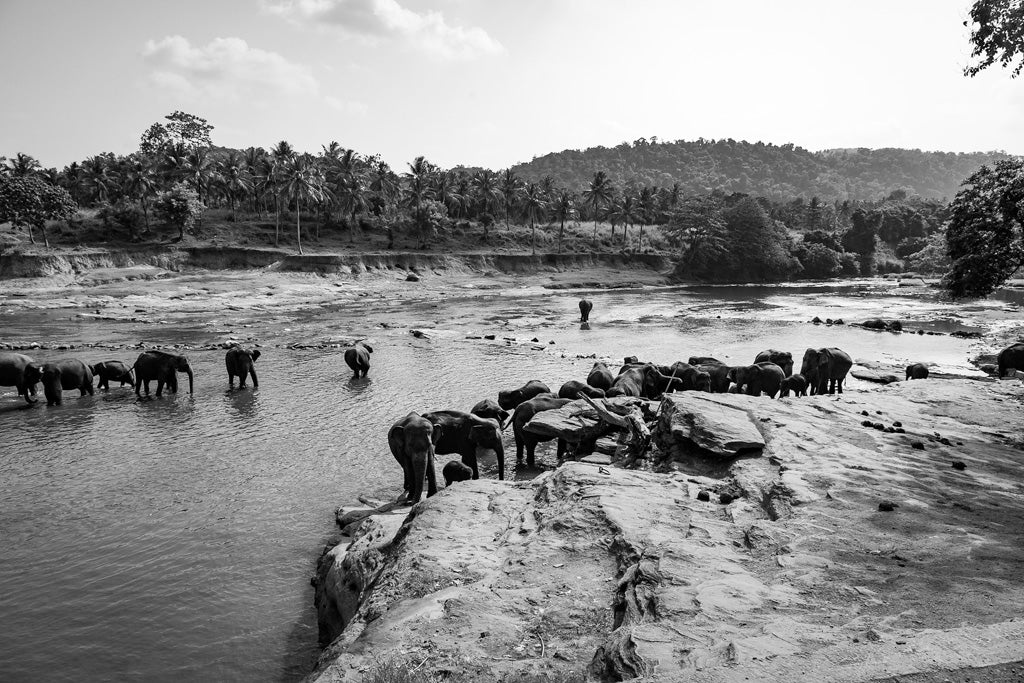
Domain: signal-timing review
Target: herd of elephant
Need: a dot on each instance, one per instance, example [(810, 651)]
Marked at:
[(416, 438)]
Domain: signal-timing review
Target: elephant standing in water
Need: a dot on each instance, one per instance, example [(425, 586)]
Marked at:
[(21, 372), (358, 358), (241, 363), (463, 433), (1012, 357), (825, 369), (766, 377), (412, 440), (585, 308), (917, 371), (511, 398), (65, 374), (162, 367), (112, 370)]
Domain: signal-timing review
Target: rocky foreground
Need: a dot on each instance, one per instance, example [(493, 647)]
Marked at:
[(843, 550)]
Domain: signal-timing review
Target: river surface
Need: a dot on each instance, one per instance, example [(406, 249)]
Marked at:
[(173, 539)]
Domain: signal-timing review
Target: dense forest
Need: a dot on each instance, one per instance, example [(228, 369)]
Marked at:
[(715, 232), (774, 171)]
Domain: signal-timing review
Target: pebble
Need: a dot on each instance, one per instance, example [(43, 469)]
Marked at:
[(887, 506), (703, 495), (959, 465), (945, 442), (725, 498), (917, 444), (897, 424)]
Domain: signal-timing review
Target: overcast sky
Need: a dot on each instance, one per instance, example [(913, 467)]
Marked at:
[(492, 83)]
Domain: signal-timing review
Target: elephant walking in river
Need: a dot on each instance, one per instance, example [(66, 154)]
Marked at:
[(21, 372), (1010, 358), (585, 308), (241, 363), (358, 358), (62, 375), (163, 367), (112, 370)]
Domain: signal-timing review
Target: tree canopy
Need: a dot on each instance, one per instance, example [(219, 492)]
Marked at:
[(997, 35), (30, 201), (985, 238), (187, 131)]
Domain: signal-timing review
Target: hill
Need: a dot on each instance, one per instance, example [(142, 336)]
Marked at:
[(775, 171)]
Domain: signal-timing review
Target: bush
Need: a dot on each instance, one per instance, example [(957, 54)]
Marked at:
[(848, 265), (886, 264), (395, 670), (819, 261), (910, 245)]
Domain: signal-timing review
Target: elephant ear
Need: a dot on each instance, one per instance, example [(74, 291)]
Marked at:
[(824, 357), (436, 433), (369, 349), (482, 432), (255, 354)]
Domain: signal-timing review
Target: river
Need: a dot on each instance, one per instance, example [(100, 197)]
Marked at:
[(174, 538)]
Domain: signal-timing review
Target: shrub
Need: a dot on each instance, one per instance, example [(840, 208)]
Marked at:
[(395, 670), (910, 245)]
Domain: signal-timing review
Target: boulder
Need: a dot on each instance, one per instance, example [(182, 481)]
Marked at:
[(577, 421), (871, 375), (718, 423)]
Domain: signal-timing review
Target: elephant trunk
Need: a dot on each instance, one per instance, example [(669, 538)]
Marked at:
[(189, 373), (499, 450), (419, 471)]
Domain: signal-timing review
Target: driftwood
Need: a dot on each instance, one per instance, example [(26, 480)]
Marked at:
[(638, 441)]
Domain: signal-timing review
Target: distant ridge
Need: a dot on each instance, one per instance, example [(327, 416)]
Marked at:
[(776, 171)]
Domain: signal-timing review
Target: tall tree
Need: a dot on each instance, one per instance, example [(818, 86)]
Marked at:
[(301, 181), (30, 201), (180, 207), (511, 187), (997, 35), (188, 130), (140, 183), (985, 238), (280, 155), (487, 193), (563, 208), (534, 204), (646, 206), (598, 195), (234, 179), (23, 165)]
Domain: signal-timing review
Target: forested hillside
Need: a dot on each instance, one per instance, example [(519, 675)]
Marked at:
[(775, 171)]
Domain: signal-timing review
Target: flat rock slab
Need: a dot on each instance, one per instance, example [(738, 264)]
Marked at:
[(878, 376), (577, 421), (718, 423)]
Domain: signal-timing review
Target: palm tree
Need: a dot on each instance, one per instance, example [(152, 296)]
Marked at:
[(417, 188), (140, 182), (351, 192), (564, 207), (511, 191), (383, 184), (623, 210), (301, 180), (598, 195), (485, 187), (256, 166), (533, 206), (234, 179), (280, 156), (23, 165), (99, 177), (647, 204), (200, 169)]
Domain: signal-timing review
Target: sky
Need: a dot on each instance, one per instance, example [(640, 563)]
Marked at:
[(493, 83)]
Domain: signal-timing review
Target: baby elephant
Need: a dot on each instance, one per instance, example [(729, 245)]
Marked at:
[(795, 383), (358, 358), (585, 308), (456, 471), (917, 371), (112, 370), (241, 363)]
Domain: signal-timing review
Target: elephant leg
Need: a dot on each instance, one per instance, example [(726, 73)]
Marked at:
[(469, 460), (231, 380), (839, 385), (255, 380), (159, 386), (531, 448), (242, 376)]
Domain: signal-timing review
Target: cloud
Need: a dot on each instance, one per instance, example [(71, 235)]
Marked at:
[(226, 67), (345, 106), (386, 19)]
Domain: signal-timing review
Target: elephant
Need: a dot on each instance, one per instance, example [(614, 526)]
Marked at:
[(693, 379), (454, 471), (585, 308), (825, 369), (413, 440), (574, 390), (161, 366), (784, 359), (718, 372), (19, 371), (511, 398), (600, 376), (70, 373), (241, 363), (629, 382), (795, 383), (463, 433), (765, 376), (357, 358), (1012, 357), (917, 371), (112, 370), (528, 440), (488, 408)]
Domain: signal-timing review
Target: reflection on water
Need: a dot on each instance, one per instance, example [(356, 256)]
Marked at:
[(173, 538)]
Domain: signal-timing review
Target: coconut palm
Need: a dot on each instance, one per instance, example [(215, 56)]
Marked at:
[(256, 166), (200, 170), (301, 179), (646, 205), (23, 165), (99, 177), (280, 156), (623, 210), (417, 184), (563, 208), (534, 205), (140, 182), (511, 191), (383, 184), (351, 193), (486, 193), (234, 179), (598, 195)]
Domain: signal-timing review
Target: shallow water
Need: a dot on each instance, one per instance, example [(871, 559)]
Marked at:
[(174, 538)]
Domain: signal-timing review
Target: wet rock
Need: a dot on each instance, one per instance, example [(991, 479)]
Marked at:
[(577, 421), (965, 334), (879, 426), (419, 334), (897, 423), (872, 375), (866, 423), (959, 465), (412, 277), (725, 498), (887, 506), (816, 320), (492, 337), (945, 442), (917, 445), (535, 339), (711, 422), (704, 495), (864, 412)]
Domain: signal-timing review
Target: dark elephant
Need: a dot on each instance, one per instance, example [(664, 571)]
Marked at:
[(463, 433), (717, 371), (488, 408), (1012, 357), (241, 363), (21, 372), (760, 377), (629, 382), (825, 369), (784, 359), (112, 370), (600, 376), (917, 371), (358, 358), (585, 308), (163, 367), (454, 471), (62, 375), (511, 398), (573, 390), (528, 440), (693, 379), (413, 440), (795, 383)]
